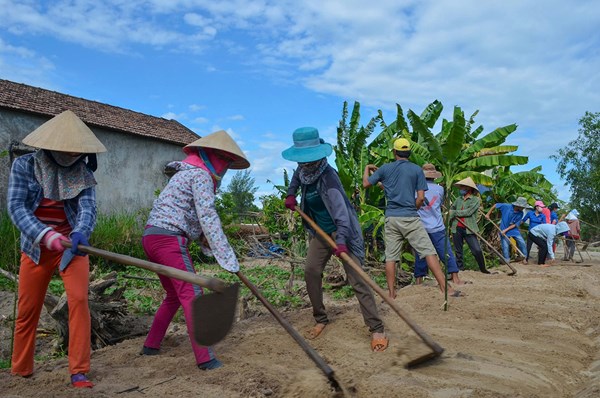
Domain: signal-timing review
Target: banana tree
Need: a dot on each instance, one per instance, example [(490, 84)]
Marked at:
[(531, 184), (351, 150)]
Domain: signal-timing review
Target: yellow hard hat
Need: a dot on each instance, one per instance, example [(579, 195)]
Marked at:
[(402, 144)]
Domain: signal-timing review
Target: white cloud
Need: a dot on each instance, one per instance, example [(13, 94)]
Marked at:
[(170, 116), (200, 120), (527, 62), (196, 107)]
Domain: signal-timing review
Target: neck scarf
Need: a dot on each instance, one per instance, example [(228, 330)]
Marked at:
[(207, 160), (310, 173), (58, 182)]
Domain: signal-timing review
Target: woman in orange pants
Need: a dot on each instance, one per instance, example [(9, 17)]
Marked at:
[(51, 196)]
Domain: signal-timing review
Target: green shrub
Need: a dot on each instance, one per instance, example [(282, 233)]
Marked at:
[(119, 233), (10, 250)]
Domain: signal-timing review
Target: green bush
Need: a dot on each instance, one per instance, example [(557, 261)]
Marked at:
[(119, 233), (10, 252)]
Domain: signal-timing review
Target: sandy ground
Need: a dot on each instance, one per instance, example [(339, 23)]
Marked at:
[(536, 334)]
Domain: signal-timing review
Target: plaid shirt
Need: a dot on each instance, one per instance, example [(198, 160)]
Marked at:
[(24, 197)]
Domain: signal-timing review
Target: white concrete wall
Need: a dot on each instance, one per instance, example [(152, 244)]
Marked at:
[(128, 173)]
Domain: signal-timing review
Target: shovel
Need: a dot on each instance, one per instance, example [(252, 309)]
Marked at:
[(436, 349), (212, 314)]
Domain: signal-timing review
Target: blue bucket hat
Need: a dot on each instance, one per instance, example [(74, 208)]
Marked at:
[(307, 147)]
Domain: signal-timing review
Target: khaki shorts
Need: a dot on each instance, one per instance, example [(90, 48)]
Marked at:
[(410, 228)]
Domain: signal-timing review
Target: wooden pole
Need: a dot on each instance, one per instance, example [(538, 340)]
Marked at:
[(437, 350)]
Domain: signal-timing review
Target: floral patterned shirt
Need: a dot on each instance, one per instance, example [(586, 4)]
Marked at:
[(187, 206)]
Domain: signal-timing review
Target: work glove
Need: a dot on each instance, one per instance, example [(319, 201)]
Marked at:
[(77, 238), (341, 248), (52, 241), (290, 202)]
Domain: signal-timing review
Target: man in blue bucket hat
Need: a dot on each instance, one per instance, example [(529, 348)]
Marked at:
[(324, 200)]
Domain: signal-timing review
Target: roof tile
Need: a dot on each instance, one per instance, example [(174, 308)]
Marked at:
[(22, 97)]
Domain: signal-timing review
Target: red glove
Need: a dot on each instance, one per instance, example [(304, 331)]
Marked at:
[(52, 241), (341, 248), (290, 202)]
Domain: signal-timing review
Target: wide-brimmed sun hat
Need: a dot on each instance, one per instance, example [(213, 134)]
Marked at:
[(65, 133), (430, 171), (574, 212), (561, 227), (307, 147), (468, 182), (221, 141), (521, 202)]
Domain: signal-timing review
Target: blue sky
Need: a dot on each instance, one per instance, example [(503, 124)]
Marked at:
[(260, 69)]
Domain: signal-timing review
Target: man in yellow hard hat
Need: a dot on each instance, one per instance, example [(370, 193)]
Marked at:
[(401, 179)]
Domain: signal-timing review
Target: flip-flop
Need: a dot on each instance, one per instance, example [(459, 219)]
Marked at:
[(315, 331), (381, 342)]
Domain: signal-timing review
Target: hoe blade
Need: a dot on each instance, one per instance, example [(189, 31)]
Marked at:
[(213, 315)]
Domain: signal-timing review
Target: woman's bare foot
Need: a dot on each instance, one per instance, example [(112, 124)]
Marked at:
[(315, 331)]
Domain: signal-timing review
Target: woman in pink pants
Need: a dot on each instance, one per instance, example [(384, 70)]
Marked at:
[(185, 211)]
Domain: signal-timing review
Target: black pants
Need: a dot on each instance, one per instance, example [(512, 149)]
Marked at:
[(529, 244), (542, 245), (459, 238)]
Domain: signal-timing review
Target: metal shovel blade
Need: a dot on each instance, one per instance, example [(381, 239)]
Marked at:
[(213, 315)]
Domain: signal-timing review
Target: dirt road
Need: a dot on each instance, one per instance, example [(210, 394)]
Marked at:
[(536, 334)]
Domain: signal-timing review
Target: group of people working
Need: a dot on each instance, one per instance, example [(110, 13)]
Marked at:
[(51, 200)]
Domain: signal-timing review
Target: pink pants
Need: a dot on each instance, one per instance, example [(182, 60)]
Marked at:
[(172, 251)]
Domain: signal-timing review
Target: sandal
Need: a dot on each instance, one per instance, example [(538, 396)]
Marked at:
[(80, 380), (210, 365), (315, 331), (380, 344)]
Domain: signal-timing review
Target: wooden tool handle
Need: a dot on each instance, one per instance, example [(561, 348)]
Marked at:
[(420, 332), (325, 368), (214, 284), (503, 234)]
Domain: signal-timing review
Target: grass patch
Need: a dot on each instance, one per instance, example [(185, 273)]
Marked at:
[(271, 281)]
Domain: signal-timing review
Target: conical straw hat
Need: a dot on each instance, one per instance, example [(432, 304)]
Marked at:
[(223, 142), (468, 182), (65, 133)]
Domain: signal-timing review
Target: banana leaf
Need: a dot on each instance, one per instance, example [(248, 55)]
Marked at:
[(452, 147), (429, 140), (497, 150), (431, 113), (487, 162), (492, 139)]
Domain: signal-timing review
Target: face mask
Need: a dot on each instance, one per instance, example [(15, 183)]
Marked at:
[(65, 159), (310, 167), (463, 192), (538, 209)]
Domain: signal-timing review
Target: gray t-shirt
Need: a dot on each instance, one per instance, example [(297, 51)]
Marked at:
[(400, 179)]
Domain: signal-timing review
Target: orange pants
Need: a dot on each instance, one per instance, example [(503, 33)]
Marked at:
[(33, 283)]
